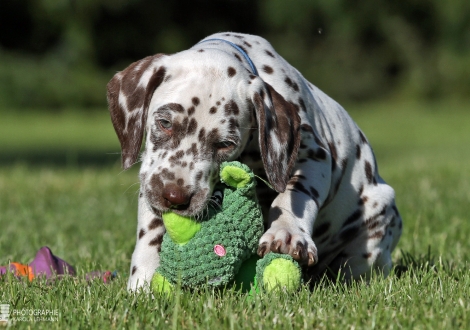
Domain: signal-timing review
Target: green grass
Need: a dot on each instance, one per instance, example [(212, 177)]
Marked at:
[(87, 216)]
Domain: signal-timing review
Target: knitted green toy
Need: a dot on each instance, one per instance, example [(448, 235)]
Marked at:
[(220, 249)]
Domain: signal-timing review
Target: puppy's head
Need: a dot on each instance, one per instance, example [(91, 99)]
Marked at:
[(197, 109)]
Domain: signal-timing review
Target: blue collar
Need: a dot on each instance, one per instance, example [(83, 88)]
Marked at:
[(245, 55)]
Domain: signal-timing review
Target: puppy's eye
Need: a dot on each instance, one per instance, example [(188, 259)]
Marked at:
[(225, 145), (166, 124)]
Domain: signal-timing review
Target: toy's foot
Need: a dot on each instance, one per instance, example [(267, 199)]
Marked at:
[(278, 271), (160, 284)]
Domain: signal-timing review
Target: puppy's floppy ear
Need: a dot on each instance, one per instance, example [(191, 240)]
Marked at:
[(279, 134), (129, 94)]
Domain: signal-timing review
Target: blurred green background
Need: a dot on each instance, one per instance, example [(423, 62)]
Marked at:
[(61, 53)]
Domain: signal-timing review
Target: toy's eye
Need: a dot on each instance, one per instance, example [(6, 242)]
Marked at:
[(165, 124), (217, 197), (225, 145)]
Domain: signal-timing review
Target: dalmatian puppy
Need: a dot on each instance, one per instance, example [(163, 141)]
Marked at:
[(229, 97)]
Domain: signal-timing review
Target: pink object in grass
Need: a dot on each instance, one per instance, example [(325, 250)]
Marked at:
[(219, 250)]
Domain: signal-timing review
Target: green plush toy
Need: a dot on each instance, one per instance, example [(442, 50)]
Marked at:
[(220, 249)]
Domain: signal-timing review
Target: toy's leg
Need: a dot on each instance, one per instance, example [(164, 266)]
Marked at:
[(161, 285), (278, 271)]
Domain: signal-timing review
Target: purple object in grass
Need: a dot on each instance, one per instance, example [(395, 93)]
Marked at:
[(46, 264)]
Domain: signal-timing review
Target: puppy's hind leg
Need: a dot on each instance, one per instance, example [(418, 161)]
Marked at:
[(371, 250)]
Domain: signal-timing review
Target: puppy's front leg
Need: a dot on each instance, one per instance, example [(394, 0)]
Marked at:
[(145, 259), (294, 211)]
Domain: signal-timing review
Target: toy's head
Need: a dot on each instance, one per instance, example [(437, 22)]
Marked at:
[(211, 248), (237, 184)]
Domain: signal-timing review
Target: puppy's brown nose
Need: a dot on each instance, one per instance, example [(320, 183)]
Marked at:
[(175, 196)]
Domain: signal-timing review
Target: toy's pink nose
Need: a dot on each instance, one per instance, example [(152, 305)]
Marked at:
[(175, 196)]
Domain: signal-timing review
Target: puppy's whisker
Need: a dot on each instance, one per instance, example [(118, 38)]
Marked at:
[(132, 185)]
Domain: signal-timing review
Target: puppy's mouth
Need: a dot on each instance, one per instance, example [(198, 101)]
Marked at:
[(195, 207)]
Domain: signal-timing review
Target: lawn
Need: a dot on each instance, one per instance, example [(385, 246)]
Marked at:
[(61, 186)]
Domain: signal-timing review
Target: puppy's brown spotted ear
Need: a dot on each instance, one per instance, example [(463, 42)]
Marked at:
[(279, 134), (129, 95)]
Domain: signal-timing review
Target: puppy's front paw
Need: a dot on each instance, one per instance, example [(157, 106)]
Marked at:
[(288, 241)]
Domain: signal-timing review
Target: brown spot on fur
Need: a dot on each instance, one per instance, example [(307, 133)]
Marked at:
[(363, 200), (363, 137), (306, 128), (368, 170), (299, 187), (268, 69), (192, 150), (275, 213), (314, 192), (175, 107), (157, 240), (269, 53), (192, 126), (231, 107), (291, 84), (334, 153), (231, 71), (212, 110), (134, 269), (373, 225), (302, 105), (237, 57), (141, 233), (155, 223), (243, 48), (353, 217), (202, 135), (195, 101), (377, 235)]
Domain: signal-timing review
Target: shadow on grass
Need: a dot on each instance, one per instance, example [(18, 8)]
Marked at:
[(60, 157), (424, 262)]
